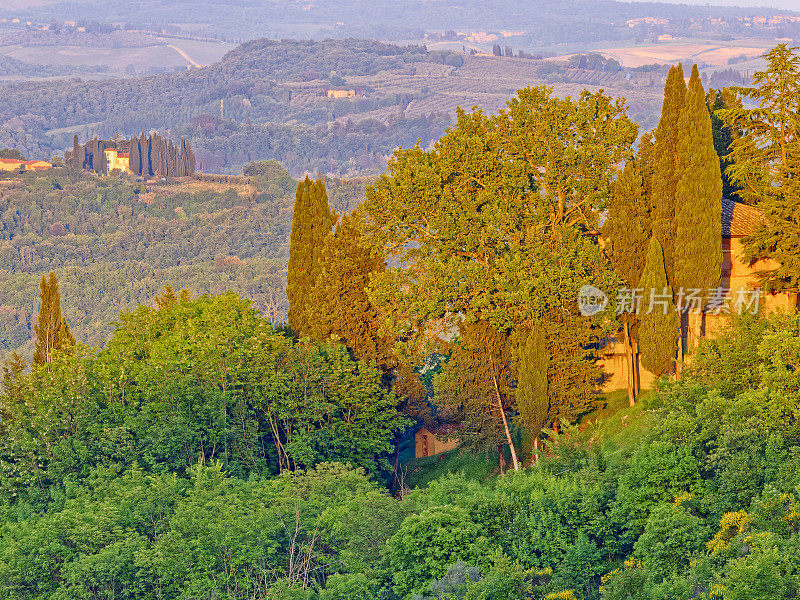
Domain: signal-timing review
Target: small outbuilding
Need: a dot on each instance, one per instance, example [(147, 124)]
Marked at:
[(427, 443)]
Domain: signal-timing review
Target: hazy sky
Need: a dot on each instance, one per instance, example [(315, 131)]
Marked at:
[(785, 4)]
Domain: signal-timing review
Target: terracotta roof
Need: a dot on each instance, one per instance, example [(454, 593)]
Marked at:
[(110, 149), (11, 161), (739, 219), (122, 155)]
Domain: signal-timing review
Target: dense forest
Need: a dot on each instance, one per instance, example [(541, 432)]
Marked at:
[(116, 242), (152, 469), (206, 451)]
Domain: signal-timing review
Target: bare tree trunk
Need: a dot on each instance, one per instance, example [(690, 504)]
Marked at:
[(536, 448), (679, 362), (629, 355), (637, 376), (396, 463), (505, 422)]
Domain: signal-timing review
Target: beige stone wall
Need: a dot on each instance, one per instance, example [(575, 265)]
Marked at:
[(426, 444)]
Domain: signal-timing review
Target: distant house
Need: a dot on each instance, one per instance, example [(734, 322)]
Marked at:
[(341, 94), (737, 277), (10, 164), (427, 444), (117, 160)]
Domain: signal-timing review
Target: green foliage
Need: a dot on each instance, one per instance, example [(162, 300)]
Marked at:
[(659, 326), (765, 161), (427, 543), (196, 381), (633, 522), (671, 538), (52, 330), (698, 197), (312, 222), (665, 167)]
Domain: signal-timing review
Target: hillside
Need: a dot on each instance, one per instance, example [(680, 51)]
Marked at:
[(269, 99), (116, 243)]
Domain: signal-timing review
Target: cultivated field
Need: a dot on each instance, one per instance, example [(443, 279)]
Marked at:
[(488, 82), (717, 55)]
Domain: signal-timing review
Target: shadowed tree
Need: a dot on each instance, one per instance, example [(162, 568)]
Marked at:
[(474, 388), (659, 326)]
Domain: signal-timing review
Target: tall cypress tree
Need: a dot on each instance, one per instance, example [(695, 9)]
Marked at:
[(659, 328), (52, 331), (135, 161), (698, 206), (98, 157), (312, 222), (533, 399), (627, 229), (78, 155), (339, 304), (665, 168), (144, 149)]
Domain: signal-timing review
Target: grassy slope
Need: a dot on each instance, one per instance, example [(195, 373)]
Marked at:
[(616, 427)]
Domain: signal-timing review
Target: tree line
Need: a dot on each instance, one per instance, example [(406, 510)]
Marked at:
[(148, 155)]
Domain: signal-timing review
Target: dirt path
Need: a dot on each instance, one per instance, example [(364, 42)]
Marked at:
[(184, 55)]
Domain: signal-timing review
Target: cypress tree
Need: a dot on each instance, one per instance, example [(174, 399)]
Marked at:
[(144, 150), (52, 331), (659, 328), (628, 231), (628, 224), (698, 228), (135, 162), (665, 168), (98, 157), (312, 222), (573, 374), (533, 399), (339, 304), (77, 158)]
